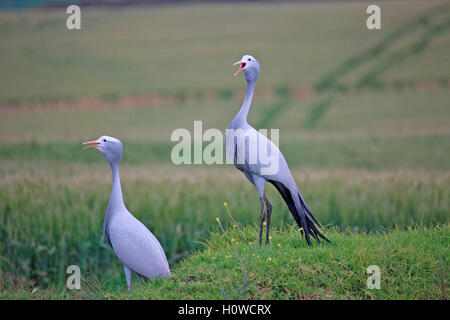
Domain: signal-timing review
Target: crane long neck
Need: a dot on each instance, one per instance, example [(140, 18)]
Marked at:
[(116, 199), (241, 117)]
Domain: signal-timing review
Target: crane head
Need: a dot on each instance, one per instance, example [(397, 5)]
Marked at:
[(250, 66), (110, 147)]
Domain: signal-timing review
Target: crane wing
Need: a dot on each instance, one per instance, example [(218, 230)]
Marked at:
[(137, 247)]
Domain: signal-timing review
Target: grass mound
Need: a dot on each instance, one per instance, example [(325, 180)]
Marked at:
[(231, 265)]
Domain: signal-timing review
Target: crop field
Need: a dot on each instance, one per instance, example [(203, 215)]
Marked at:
[(364, 123)]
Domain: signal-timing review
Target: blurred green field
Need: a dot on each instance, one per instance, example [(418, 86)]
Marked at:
[(369, 145), (189, 48)]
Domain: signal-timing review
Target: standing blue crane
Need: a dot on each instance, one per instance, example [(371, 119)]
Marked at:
[(247, 155), (135, 246)]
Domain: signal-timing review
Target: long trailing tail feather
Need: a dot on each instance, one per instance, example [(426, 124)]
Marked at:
[(301, 213), (307, 211)]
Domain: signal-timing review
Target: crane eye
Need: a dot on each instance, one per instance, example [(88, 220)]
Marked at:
[(249, 59), (104, 140)]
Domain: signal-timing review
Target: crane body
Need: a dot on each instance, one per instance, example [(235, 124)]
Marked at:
[(247, 153), (135, 246)]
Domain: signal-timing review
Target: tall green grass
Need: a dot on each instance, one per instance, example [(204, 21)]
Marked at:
[(231, 265)]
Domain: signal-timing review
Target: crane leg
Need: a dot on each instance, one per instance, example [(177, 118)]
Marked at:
[(262, 218), (259, 183), (139, 277), (269, 214), (128, 274)]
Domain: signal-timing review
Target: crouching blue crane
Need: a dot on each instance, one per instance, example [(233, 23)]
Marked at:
[(246, 155), (135, 246)]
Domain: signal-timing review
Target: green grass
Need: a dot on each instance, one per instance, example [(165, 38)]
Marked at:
[(231, 265), (369, 151), (52, 215)]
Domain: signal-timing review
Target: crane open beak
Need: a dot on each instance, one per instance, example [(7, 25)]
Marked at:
[(241, 67), (93, 144)]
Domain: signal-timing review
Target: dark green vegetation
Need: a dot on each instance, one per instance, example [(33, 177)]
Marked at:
[(367, 138), (231, 265), (53, 218)]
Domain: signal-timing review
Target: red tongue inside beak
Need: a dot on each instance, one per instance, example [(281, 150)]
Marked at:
[(93, 144), (241, 67)]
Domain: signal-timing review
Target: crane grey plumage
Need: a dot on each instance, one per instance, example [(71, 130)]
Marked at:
[(135, 246), (282, 179)]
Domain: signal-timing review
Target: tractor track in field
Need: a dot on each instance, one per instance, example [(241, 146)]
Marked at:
[(326, 90), (331, 83)]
